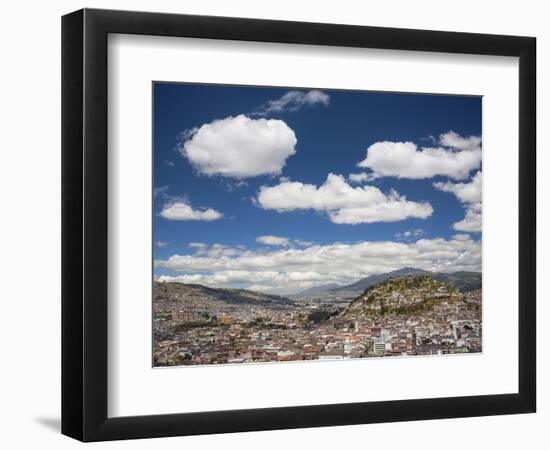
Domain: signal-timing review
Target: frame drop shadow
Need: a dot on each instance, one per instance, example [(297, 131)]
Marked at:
[(52, 423)]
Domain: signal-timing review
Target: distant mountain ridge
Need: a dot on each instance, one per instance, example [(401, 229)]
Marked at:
[(367, 282), (322, 288), (172, 291), (169, 291), (463, 280)]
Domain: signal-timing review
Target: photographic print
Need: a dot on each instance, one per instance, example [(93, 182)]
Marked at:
[(302, 224)]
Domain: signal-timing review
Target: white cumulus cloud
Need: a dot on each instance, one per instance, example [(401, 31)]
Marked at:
[(466, 192), (293, 101), (359, 177), (470, 195), (410, 234), (182, 210), (455, 158), (273, 240), (239, 147), (303, 243), (198, 245), (454, 140), (461, 237), (343, 203), (472, 221)]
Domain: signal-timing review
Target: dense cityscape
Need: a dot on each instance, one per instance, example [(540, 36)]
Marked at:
[(405, 316)]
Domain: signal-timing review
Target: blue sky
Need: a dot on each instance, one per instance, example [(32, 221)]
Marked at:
[(233, 165)]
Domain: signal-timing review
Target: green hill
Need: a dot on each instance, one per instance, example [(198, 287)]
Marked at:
[(405, 295)]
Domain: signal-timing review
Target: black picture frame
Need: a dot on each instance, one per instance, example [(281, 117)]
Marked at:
[(84, 224)]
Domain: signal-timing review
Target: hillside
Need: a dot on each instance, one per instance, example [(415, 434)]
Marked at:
[(465, 281), (170, 292), (406, 295)]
